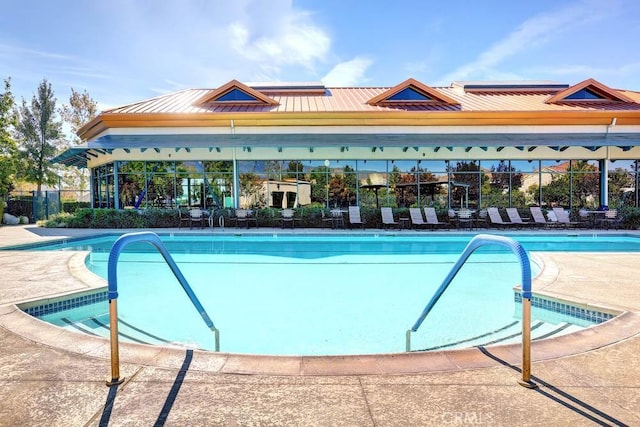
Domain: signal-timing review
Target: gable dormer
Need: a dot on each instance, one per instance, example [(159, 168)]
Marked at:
[(236, 93), (411, 92), (589, 90)]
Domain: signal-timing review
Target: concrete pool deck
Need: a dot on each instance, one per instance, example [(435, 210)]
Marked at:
[(55, 377)]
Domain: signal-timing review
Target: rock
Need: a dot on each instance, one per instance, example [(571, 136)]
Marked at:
[(10, 219)]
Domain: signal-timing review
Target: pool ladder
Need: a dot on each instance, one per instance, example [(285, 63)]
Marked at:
[(525, 267), (112, 294)]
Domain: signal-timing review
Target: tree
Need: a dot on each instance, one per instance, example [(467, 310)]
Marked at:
[(38, 132), (466, 173), (7, 143), (294, 168), (80, 110)]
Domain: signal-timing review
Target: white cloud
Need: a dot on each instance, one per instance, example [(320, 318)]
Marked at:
[(348, 73), (295, 40), (535, 32)]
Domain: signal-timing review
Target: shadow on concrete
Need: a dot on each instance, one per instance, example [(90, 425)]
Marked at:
[(563, 398), (108, 406), (175, 389)]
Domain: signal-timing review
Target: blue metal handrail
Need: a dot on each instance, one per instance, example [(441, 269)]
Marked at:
[(112, 294), (518, 250)]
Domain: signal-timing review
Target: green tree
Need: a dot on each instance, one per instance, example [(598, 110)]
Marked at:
[(38, 133), (7, 143), (620, 181), (80, 110), (319, 182), (294, 168)]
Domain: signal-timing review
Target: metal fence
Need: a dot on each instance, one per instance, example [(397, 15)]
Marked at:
[(39, 205)]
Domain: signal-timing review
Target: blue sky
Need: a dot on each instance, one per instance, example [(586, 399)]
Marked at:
[(122, 51)]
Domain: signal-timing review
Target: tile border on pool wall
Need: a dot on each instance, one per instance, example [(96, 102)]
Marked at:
[(65, 304), (560, 307), (566, 309)]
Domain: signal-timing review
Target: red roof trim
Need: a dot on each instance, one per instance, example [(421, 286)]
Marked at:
[(416, 85), (591, 84), (214, 94)]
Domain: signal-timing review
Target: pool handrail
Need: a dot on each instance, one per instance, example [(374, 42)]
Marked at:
[(525, 267), (112, 293)]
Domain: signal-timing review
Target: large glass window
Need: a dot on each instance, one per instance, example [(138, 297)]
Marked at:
[(131, 183), (190, 188), (585, 184), (370, 183), (343, 191), (623, 183), (103, 187), (502, 184), (373, 183), (218, 184), (465, 179)]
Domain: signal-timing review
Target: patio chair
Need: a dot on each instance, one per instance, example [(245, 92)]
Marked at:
[(196, 216), (496, 219), (245, 217), (416, 218), (326, 219), (482, 219), (515, 218), (585, 219), (184, 217), (611, 219), (465, 218), (286, 215), (432, 218), (354, 216), (563, 217), (387, 218), (337, 218)]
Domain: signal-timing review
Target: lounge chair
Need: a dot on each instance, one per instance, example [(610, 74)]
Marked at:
[(515, 218), (354, 216), (496, 219), (563, 217), (387, 218), (432, 218), (416, 218), (538, 216)]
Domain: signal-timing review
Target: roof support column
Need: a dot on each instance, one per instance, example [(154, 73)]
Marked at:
[(604, 181), (116, 188), (236, 181)]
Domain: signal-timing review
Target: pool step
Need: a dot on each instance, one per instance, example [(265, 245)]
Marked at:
[(508, 334), (511, 333), (99, 326)]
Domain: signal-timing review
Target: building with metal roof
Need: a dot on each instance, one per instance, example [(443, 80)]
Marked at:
[(189, 146)]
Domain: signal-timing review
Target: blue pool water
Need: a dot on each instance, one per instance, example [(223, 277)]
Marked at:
[(309, 295)]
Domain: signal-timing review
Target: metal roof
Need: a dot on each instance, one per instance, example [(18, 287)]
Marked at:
[(499, 105), (488, 96)]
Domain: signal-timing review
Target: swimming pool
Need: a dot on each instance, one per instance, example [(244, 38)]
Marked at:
[(308, 295)]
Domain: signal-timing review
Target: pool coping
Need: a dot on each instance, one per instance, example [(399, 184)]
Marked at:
[(624, 326)]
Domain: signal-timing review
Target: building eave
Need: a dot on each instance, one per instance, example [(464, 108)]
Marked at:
[(383, 118)]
